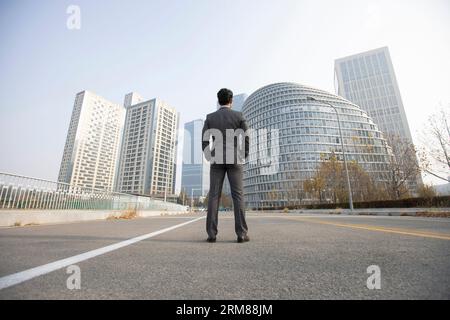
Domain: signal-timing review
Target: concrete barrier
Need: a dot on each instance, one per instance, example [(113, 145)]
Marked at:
[(9, 218), (421, 212)]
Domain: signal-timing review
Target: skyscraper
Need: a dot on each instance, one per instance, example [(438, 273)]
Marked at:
[(195, 175), (368, 80), (238, 101), (92, 143), (149, 147)]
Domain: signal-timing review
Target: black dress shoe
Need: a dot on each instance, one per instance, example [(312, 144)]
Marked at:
[(243, 239), (211, 240)]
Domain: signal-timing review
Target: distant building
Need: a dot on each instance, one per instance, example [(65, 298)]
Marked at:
[(149, 147), (368, 80), (238, 101), (443, 189), (92, 143), (195, 174), (307, 131)]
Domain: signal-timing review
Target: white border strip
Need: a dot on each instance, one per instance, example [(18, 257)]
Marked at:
[(16, 278)]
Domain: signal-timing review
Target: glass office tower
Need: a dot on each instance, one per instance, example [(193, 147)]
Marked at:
[(238, 101), (305, 132), (368, 80), (195, 174)]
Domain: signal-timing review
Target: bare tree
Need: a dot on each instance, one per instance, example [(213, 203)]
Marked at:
[(403, 168), (364, 187), (315, 186), (427, 191), (181, 197), (274, 195), (293, 187), (330, 179), (435, 156)]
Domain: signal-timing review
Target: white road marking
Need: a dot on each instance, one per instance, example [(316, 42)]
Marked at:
[(16, 278)]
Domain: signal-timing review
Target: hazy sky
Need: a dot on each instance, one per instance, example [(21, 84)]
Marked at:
[(184, 51)]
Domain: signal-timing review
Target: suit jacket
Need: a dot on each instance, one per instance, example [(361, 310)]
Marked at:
[(238, 142)]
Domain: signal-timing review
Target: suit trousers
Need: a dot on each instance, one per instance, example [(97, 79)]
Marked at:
[(235, 177)]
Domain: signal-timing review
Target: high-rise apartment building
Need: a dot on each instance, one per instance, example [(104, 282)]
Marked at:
[(92, 143), (195, 175), (149, 147), (368, 80)]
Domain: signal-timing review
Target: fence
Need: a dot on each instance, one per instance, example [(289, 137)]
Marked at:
[(20, 192)]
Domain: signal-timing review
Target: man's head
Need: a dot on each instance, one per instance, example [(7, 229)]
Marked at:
[(225, 97)]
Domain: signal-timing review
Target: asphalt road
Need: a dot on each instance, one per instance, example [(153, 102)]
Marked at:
[(290, 256)]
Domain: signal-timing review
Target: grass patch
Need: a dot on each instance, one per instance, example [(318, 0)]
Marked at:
[(31, 224), (433, 214), (336, 211), (126, 215), (405, 214)]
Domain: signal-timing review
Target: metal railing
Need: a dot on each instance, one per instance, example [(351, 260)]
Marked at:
[(20, 192)]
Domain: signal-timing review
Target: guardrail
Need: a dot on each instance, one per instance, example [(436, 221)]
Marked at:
[(21, 192)]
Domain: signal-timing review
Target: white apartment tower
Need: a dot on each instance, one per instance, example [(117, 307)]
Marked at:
[(149, 147), (93, 142)]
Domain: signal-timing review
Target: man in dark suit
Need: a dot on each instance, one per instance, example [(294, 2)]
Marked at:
[(225, 144)]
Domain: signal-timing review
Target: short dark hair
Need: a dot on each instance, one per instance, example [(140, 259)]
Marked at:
[(225, 96)]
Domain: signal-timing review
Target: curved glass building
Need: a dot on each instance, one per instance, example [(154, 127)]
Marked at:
[(292, 134)]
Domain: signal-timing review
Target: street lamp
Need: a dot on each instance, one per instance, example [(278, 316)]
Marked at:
[(350, 198)]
